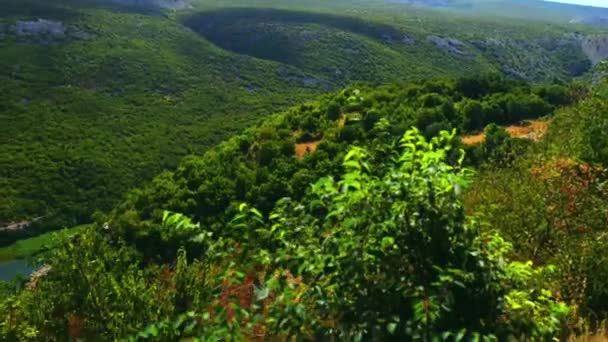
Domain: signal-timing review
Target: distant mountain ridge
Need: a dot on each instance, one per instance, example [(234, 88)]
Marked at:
[(525, 9), (152, 4)]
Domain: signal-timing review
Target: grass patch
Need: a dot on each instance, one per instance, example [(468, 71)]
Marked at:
[(32, 246)]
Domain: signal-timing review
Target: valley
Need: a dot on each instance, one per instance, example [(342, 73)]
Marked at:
[(101, 70), (307, 170)]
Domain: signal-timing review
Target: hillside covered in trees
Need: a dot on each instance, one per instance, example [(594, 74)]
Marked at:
[(99, 98), (301, 170), (384, 226)]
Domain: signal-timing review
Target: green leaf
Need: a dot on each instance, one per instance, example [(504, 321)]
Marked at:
[(351, 154), (151, 331), (387, 242), (391, 328), (261, 293), (256, 212), (460, 335)]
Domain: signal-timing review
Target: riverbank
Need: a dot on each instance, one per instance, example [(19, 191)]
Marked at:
[(10, 269), (13, 258), (32, 246)]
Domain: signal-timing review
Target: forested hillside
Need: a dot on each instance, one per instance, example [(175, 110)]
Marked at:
[(272, 161), (111, 102), (358, 215), (98, 99), (300, 170)]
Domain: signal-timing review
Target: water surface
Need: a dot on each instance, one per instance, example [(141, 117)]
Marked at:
[(9, 269)]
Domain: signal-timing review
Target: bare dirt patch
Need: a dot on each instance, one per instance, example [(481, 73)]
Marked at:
[(308, 147), (533, 130), (473, 139)]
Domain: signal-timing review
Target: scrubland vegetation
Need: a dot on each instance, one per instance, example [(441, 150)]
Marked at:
[(243, 189), (128, 92), (385, 231)]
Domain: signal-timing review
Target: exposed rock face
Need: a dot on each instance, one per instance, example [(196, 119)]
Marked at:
[(154, 4), (79, 34), (595, 47), (424, 3), (291, 75), (487, 44), (40, 27), (393, 38), (599, 72), (407, 40), (44, 31), (309, 81), (450, 45), (37, 276), (252, 87), (513, 72)]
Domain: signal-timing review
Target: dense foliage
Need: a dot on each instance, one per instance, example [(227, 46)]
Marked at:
[(385, 251), (400, 241), (126, 93), (361, 215), (84, 120), (261, 165), (552, 203)]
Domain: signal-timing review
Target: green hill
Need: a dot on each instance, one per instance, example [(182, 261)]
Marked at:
[(84, 120), (302, 170), (98, 99), (262, 165), (340, 227)]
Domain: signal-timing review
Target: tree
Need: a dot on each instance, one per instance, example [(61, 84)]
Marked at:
[(496, 136), (334, 111), (473, 115), (554, 94)]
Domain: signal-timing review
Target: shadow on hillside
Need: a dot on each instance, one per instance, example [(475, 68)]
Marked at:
[(264, 33), (64, 9), (35, 9)]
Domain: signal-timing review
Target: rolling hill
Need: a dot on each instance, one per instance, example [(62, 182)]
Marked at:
[(251, 236), (302, 170), (98, 96)]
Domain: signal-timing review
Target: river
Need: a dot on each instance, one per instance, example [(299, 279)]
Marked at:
[(9, 269)]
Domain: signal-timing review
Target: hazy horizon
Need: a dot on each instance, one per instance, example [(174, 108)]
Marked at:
[(596, 3)]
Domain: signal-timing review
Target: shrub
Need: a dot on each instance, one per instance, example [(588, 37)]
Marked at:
[(386, 252)]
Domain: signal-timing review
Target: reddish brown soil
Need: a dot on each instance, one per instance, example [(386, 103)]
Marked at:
[(308, 147), (534, 131)]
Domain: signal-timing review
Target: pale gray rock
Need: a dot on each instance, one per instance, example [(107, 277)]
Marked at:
[(396, 38), (154, 4), (408, 40), (449, 45), (41, 27), (45, 31), (595, 48), (309, 81)]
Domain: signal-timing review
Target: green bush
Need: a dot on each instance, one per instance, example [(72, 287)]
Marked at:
[(408, 266)]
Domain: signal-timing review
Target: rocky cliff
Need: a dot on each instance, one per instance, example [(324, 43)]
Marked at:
[(595, 47)]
